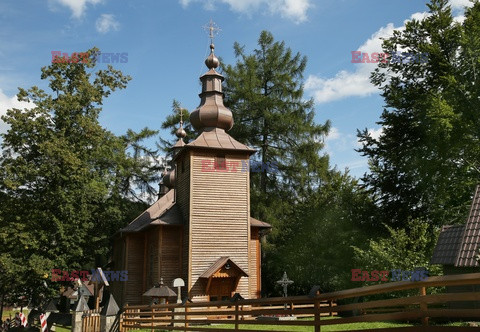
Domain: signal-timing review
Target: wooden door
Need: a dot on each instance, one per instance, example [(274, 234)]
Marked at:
[(222, 288)]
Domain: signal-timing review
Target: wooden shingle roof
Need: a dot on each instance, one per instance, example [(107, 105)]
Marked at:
[(471, 236), (448, 244), (162, 212), (215, 139), (219, 264), (458, 245), (260, 224)]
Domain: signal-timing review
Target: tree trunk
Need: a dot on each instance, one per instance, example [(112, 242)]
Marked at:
[(1, 306), (263, 175)]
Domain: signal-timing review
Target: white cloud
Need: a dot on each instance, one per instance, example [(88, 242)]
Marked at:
[(184, 3), (346, 83), (337, 142), (77, 7), (459, 19), (8, 103), (295, 10), (460, 4), (374, 43), (333, 134), (106, 23), (357, 83), (417, 16), (375, 133)]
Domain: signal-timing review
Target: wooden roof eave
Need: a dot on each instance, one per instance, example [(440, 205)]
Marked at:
[(217, 266)]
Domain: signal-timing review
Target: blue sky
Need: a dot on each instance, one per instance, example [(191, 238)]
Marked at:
[(166, 47)]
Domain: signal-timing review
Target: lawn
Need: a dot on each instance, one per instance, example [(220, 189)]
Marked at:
[(11, 313), (341, 327)]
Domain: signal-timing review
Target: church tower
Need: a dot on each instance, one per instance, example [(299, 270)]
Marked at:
[(200, 229), (214, 191)]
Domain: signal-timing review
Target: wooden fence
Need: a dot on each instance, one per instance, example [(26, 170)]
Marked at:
[(420, 307), (91, 321)]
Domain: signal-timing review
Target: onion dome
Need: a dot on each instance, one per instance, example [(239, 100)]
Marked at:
[(169, 179), (181, 133), (211, 113), (212, 61), (163, 189)]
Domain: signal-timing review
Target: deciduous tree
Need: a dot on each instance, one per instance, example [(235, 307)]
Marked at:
[(67, 183)]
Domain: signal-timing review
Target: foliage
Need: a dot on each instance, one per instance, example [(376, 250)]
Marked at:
[(265, 92), (264, 89), (315, 246), (405, 249), (66, 183), (427, 160), (172, 122)]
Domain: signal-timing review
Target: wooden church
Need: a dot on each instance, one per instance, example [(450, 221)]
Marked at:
[(200, 229)]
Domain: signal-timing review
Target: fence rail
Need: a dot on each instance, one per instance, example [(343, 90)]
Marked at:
[(281, 311)]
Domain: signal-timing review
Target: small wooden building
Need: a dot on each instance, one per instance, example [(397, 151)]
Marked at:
[(457, 248), (200, 230)]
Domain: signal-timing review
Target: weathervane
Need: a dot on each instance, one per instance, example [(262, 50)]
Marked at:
[(212, 29)]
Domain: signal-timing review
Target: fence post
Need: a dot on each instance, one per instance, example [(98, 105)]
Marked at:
[(236, 315), (317, 315), (186, 320), (122, 317), (152, 315), (423, 306), (120, 327)]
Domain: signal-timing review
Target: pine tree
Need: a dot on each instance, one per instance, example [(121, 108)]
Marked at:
[(265, 92), (427, 161)]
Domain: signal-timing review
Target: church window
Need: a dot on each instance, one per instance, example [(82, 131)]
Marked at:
[(220, 163)]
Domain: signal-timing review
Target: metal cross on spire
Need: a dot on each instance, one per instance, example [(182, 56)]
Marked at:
[(180, 109), (212, 29)]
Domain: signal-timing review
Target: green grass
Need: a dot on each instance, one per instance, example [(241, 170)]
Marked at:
[(340, 327), (11, 313)]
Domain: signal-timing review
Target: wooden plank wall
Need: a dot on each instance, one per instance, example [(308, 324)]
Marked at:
[(254, 278), (135, 265), (219, 220), (183, 200), (118, 256), (171, 254), (152, 265)]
